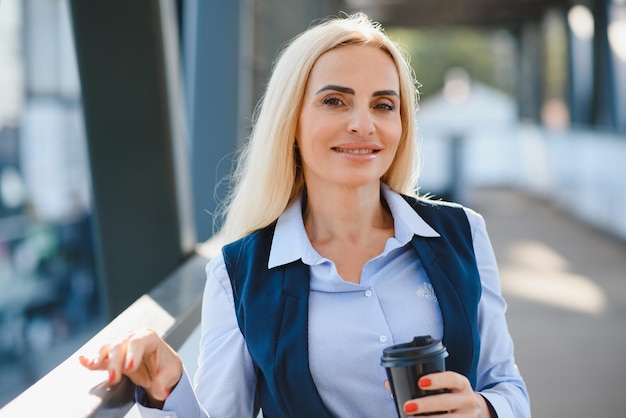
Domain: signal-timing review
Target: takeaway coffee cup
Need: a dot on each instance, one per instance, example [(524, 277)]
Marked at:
[(406, 363)]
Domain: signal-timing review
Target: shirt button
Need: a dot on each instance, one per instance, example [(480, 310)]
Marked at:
[(368, 293), (383, 339)]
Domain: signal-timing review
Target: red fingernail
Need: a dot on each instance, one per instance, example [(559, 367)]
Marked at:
[(410, 408), (111, 376), (129, 364), (89, 361), (425, 382)]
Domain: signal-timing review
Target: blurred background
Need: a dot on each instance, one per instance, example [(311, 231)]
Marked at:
[(119, 121)]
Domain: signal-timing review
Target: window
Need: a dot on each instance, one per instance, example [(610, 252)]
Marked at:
[(49, 304)]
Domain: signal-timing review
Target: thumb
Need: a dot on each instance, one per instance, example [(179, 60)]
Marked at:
[(160, 392)]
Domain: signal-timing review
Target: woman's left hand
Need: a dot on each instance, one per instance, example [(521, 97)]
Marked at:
[(459, 401)]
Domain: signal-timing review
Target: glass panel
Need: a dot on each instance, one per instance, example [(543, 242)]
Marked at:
[(49, 304)]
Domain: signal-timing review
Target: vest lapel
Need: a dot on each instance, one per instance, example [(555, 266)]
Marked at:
[(457, 336), (294, 378)]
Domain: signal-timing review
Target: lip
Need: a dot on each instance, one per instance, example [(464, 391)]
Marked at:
[(352, 146), (357, 151)]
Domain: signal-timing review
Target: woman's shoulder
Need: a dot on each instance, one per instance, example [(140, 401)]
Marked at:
[(251, 248), (434, 205), (428, 206), (427, 200)]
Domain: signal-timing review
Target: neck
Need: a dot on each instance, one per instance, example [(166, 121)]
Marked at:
[(345, 213)]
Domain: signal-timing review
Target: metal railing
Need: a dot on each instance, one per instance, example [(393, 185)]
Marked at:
[(172, 309)]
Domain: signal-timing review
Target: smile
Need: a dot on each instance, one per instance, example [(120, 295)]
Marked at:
[(356, 151)]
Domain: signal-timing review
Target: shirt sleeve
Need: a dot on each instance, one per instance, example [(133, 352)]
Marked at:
[(498, 378), (225, 382), (182, 402)]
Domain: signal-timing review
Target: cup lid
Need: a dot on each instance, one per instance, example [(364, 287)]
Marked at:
[(421, 346)]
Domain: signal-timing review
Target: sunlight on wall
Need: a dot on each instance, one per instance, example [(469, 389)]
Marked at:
[(536, 272)]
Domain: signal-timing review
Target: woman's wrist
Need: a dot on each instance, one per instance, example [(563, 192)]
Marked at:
[(486, 409), (152, 402)]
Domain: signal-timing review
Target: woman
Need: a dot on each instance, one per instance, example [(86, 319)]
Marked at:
[(332, 258)]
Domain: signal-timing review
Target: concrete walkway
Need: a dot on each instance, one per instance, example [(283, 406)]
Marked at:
[(565, 284)]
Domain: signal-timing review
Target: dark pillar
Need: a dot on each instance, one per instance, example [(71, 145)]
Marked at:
[(121, 59), (603, 113), (211, 50), (530, 88), (617, 41), (580, 70)]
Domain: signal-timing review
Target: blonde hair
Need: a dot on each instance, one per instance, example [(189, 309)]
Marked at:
[(267, 177)]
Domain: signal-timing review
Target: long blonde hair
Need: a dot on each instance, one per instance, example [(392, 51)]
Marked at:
[(267, 177)]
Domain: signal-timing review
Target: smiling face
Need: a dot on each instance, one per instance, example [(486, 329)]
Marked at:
[(349, 127)]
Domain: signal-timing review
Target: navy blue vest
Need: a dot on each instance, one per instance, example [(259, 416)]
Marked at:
[(272, 308)]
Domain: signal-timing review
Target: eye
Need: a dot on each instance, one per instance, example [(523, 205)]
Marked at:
[(386, 106), (332, 101)]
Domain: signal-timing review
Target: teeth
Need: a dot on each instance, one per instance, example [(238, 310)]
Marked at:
[(355, 151)]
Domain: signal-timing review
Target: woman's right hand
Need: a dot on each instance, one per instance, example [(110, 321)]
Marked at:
[(145, 358)]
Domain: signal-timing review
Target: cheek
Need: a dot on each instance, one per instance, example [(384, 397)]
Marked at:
[(309, 133), (303, 129), (399, 140), (396, 136), (303, 136)]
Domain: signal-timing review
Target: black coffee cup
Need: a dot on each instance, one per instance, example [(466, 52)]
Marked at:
[(407, 363)]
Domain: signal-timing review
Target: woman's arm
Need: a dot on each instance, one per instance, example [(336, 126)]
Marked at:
[(498, 378), (226, 381), (500, 390)]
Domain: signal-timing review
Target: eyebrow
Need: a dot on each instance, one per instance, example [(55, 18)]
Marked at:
[(348, 90)]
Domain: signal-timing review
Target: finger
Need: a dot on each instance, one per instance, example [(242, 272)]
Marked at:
[(458, 397), (442, 402), (142, 349), (387, 386), (138, 362), (152, 364), (116, 361), (97, 361), (85, 361), (135, 348), (90, 362), (451, 402), (451, 381)]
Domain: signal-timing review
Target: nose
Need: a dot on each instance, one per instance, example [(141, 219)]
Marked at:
[(361, 122)]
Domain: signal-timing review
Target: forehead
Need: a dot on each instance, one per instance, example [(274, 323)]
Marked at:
[(351, 65)]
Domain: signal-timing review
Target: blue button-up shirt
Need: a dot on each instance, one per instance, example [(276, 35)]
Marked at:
[(349, 325)]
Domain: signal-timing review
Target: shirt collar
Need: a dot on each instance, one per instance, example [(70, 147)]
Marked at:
[(406, 221), (291, 242)]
